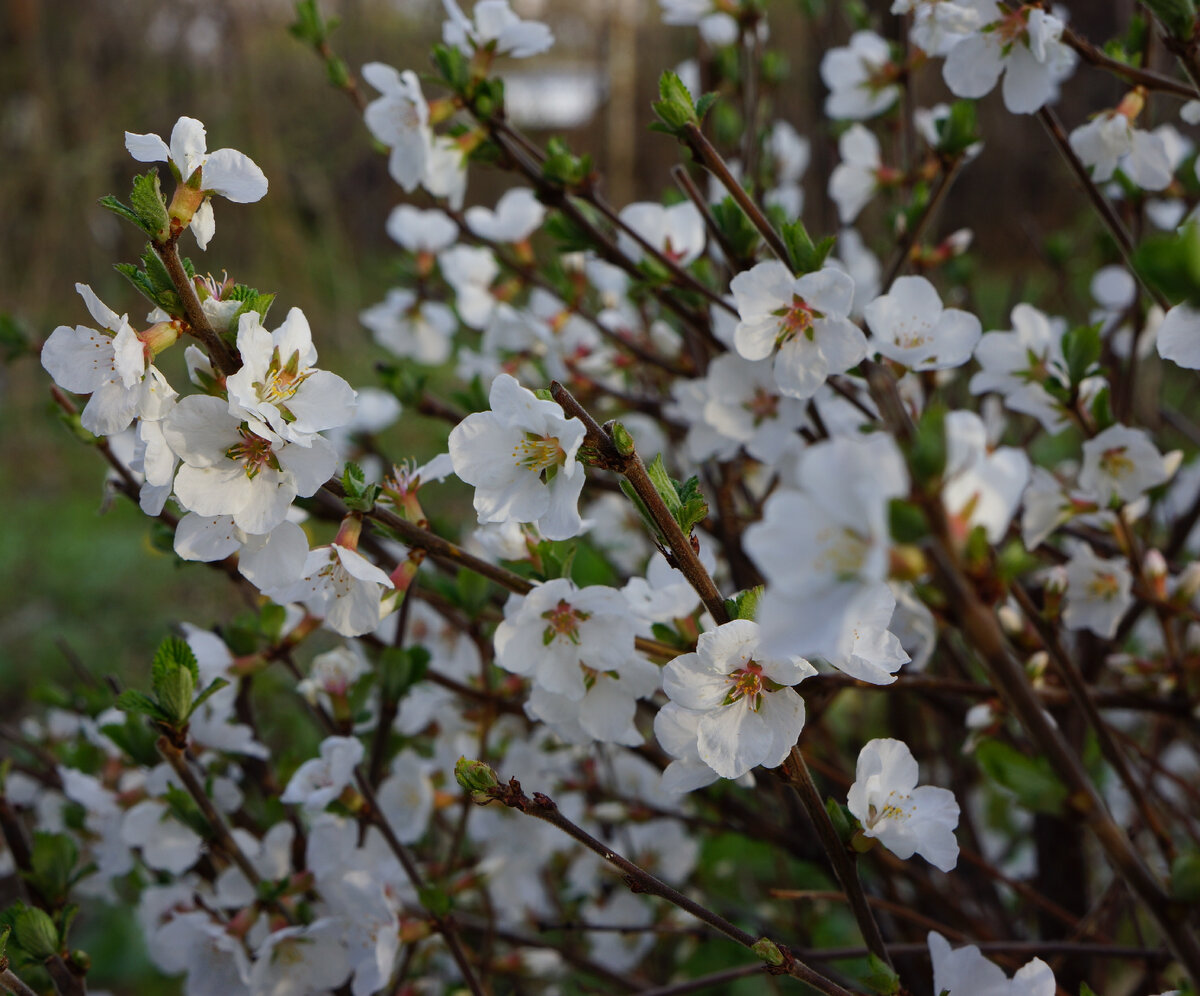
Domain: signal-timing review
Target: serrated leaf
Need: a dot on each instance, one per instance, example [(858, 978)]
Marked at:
[(664, 485), (174, 675), (35, 933), (146, 199), (214, 686), (121, 210), (133, 701), (52, 859), (704, 103)]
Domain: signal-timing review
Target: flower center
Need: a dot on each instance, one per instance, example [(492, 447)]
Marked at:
[(747, 683), (539, 453), (563, 620), (797, 319), (842, 553), (892, 809), (1104, 586), (1116, 463), (253, 453), (762, 406)]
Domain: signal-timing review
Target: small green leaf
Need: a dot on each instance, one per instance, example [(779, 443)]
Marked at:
[(927, 453), (119, 209), (174, 675), (148, 205), (453, 66), (842, 820), (52, 861), (958, 130), (401, 668), (214, 686), (1081, 350), (1177, 16), (1171, 263), (133, 701), (806, 256), (1185, 877), (663, 484), (35, 933), (881, 976), (675, 109), (563, 167), (434, 899), (1030, 779), (906, 522), (744, 605)]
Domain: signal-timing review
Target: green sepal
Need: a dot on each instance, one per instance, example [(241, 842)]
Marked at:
[(1030, 779), (148, 205), (805, 255)]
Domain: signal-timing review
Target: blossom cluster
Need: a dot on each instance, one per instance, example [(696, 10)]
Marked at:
[(840, 447)]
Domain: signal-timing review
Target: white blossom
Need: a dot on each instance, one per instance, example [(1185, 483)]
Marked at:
[(494, 26), (1121, 463), (861, 78), (320, 780), (1098, 592), (905, 818), (966, 972), (910, 327)]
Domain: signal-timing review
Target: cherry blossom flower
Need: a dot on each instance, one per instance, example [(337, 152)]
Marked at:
[(521, 459), (296, 961), (421, 231), (1025, 45), (470, 270), (1122, 464), (411, 327), (232, 469), (982, 486), (517, 216), (857, 178), (805, 317), (716, 27), (966, 972), (1098, 592), (399, 118), (905, 818), (1018, 363), (938, 25), (278, 383), (494, 26), (861, 77), (1110, 141), (910, 327), (824, 549), (165, 843), (676, 231), (744, 403), (226, 172), (340, 585), (113, 366), (266, 561), (748, 713), (320, 780), (1179, 337)]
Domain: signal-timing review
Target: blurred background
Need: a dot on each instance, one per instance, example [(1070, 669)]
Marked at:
[(78, 576)]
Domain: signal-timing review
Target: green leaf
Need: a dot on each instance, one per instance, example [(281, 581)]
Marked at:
[(453, 66), (1030, 779), (271, 618), (119, 209), (434, 899), (147, 202), (1086, 990), (927, 452), (35, 933), (906, 522), (360, 496), (705, 102), (676, 109), (806, 256), (1185, 877), (737, 230), (563, 167), (663, 484), (958, 130), (1177, 16), (214, 686), (135, 738), (842, 820), (1171, 263), (133, 701), (881, 977), (52, 859), (744, 605), (174, 675), (1081, 350), (473, 591), (401, 668)]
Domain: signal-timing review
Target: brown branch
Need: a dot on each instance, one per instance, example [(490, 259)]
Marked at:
[(226, 361), (1131, 74)]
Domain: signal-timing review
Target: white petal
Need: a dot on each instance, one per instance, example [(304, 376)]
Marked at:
[(234, 176)]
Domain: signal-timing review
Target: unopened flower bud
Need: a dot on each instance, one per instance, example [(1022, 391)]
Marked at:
[(768, 951), (1010, 620), (475, 777), (1187, 583), (1154, 565)]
